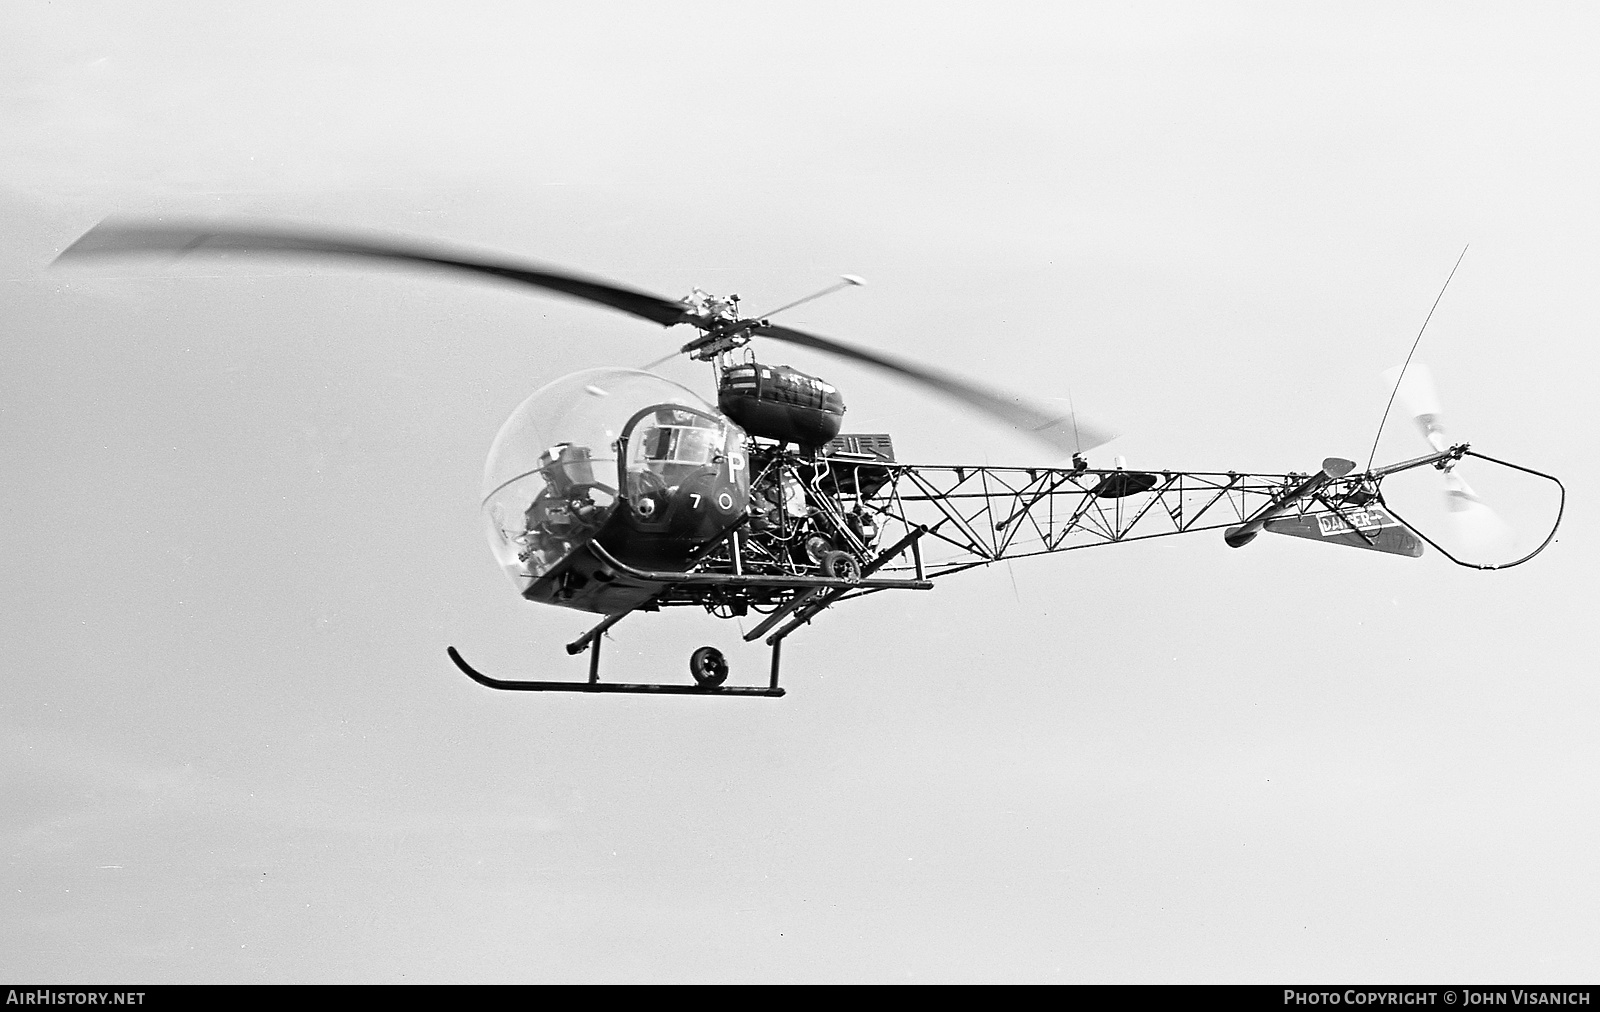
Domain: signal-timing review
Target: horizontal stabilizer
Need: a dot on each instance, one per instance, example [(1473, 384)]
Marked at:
[(1370, 528)]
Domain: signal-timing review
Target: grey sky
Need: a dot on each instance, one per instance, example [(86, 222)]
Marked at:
[(239, 517)]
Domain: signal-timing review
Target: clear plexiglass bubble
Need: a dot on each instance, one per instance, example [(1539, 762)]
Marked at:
[(551, 478)]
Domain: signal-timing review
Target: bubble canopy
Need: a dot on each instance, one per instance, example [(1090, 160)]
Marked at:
[(551, 478)]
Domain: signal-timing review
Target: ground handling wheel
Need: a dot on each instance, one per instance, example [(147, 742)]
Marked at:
[(841, 566), (709, 667)]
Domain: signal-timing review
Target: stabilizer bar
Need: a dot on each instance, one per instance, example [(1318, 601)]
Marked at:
[(1333, 467)]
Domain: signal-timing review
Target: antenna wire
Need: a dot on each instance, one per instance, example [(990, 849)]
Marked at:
[(1404, 366)]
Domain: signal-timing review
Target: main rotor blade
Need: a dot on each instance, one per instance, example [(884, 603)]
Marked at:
[(111, 238), (1057, 429)]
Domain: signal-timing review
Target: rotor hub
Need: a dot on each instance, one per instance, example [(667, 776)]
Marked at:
[(718, 317)]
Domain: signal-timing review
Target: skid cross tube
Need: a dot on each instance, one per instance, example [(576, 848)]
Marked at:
[(800, 601), (593, 636), (812, 607)]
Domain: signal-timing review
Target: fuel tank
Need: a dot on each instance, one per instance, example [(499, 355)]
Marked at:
[(777, 402)]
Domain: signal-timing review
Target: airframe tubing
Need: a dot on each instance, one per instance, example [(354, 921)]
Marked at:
[(724, 580), (1454, 453), (813, 607), (1332, 467), (646, 688), (801, 600)]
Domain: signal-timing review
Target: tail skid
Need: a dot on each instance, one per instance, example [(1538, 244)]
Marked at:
[(1455, 454)]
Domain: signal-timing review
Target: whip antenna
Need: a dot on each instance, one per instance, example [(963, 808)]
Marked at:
[(1401, 377), (1077, 443)]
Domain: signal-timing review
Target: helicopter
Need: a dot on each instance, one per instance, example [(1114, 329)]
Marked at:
[(616, 491)]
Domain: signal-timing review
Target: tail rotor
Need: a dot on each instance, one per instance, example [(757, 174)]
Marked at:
[(1478, 526)]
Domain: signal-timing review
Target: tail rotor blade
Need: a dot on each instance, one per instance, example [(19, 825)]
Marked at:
[(1480, 528), (1458, 495), (1417, 397)]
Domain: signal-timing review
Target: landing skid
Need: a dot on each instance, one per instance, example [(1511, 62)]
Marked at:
[(595, 685)]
